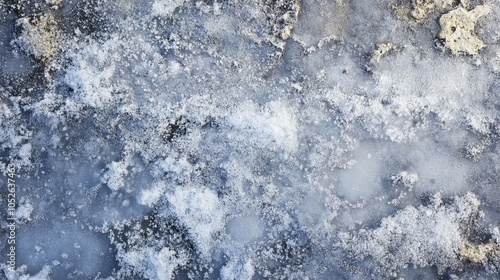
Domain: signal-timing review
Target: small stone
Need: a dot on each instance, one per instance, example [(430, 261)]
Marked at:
[(382, 50), (457, 29)]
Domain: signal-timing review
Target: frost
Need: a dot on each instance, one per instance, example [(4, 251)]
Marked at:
[(165, 7), (25, 154), (92, 82), (279, 20), (115, 177), (272, 126), (405, 178), (423, 236), (151, 196), (236, 270), (44, 274), (202, 212), (24, 210), (457, 29), (20, 274), (155, 265), (54, 4), (249, 139), (289, 18)]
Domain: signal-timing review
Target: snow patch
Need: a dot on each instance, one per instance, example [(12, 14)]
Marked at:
[(235, 270), (273, 125), (150, 197), (423, 236), (165, 7), (152, 264), (200, 210)]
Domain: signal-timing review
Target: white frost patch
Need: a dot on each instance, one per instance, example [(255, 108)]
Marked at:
[(115, 176), (93, 84), (165, 7), (408, 180), (272, 126), (201, 212), (238, 271), (90, 74), (482, 121), (152, 264), (25, 154), (24, 210), (150, 197), (423, 236), (21, 273)]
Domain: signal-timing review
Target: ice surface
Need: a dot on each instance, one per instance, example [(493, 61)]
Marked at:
[(68, 250), (244, 139), (273, 125), (362, 180)]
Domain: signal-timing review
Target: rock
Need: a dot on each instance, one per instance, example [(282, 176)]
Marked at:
[(457, 29), (40, 37), (422, 8), (478, 252), (382, 50), (284, 14)]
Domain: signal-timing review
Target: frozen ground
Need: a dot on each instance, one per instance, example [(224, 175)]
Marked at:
[(273, 139)]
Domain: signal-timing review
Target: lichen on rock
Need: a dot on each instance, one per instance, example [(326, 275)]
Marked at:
[(457, 29)]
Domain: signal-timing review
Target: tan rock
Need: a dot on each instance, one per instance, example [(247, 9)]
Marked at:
[(478, 252), (422, 8), (382, 50), (457, 29), (40, 37), (290, 18)]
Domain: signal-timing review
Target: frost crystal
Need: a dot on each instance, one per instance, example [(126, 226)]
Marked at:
[(423, 236)]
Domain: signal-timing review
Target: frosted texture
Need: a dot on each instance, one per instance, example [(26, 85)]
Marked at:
[(284, 139)]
